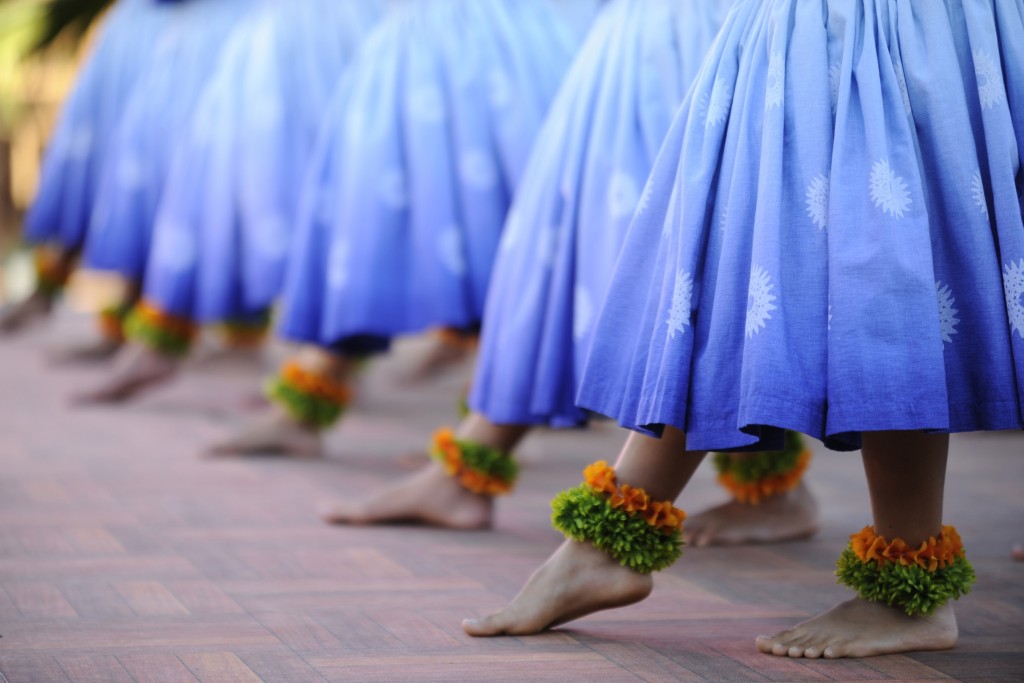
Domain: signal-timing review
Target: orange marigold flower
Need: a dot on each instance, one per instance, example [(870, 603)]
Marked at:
[(446, 446), (663, 514), (861, 541), (600, 476), (630, 499)]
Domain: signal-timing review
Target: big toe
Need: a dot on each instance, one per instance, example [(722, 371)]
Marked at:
[(492, 625), (342, 513)]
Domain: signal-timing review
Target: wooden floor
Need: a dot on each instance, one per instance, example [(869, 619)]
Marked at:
[(125, 556)]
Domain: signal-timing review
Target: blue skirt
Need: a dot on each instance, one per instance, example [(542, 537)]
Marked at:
[(581, 187), (226, 216), (152, 127), (72, 166), (831, 240), (422, 150)]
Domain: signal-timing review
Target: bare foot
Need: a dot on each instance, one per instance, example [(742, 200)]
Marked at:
[(577, 580), (429, 496), (1017, 553), (140, 369), (413, 460), (18, 316), (785, 517), (857, 628), (96, 351), (275, 434)]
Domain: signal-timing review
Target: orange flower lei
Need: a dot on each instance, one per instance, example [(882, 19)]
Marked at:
[(111, 323), (314, 384), (152, 315), (753, 492), (932, 554), (451, 337), (51, 275), (479, 477), (663, 515)]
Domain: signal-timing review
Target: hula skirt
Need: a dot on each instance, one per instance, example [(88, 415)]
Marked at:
[(831, 240)]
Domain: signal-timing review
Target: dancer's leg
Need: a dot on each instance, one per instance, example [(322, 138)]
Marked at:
[(906, 473), (432, 495), (579, 579), (279, 431)]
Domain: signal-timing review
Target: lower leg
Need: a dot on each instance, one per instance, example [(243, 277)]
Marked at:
[(281, 431), (906, 474), (432, 495), (579, 579)]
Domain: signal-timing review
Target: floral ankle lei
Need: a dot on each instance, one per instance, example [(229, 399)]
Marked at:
[(642, 534), (167, 334), (246, 332), (757, 476), (308, 397), (51, 275), (481, 469), (917, 580), (111, 321)]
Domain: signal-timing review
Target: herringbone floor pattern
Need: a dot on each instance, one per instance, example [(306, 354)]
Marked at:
[(124, 556)]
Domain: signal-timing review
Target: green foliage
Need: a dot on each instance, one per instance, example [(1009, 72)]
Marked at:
[(489, 461), (163, 341), (913, 588), (758, 466), (585, 515), (308, 409)]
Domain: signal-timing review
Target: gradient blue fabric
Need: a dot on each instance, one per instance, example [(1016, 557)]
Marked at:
[(579, 192), (227, 213), (88, 119), (831, 240), (423, 148), (152, 128)]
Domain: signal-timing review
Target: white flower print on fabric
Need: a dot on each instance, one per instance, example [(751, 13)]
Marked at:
[(582, 313), (644, 203), (978, 193), (426, 104), (623, 195), (759, 301), (450, 251), (817, 201), (392, 190), (337, 264), (682, 301), (990, 81), (715, 107), (173, 246), (776, 81), (889, 191), (1013, 285), (477, 170), (947, 313)]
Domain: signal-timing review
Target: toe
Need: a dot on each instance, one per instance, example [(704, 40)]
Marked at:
[(764, 644), (484, 627), (780, 649)]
